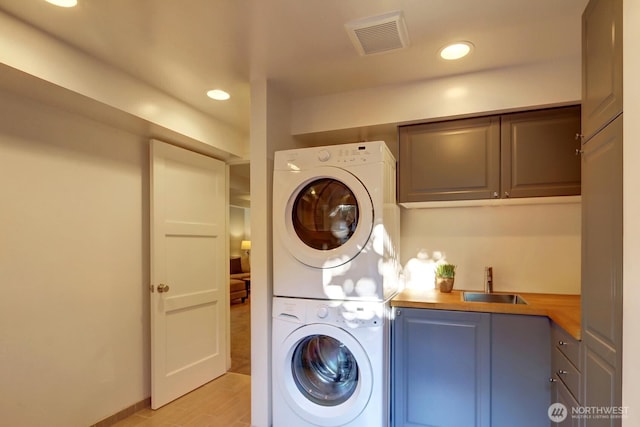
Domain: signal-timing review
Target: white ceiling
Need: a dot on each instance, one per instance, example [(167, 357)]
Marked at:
[(185, 47)]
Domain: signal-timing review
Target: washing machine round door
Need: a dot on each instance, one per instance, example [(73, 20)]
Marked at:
[(324, 375), (328, 217)]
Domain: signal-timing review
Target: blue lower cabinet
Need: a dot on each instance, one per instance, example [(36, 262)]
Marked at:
[(468, 369), (520, 366), (441, 368)]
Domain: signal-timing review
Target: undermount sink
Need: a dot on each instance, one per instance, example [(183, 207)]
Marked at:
[(499, 298)]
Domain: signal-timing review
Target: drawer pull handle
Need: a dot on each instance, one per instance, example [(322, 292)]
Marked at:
[(562, 342), (562, 372), (553, 380)]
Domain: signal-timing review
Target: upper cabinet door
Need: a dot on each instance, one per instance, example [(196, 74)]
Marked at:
[(540, 153), (529, 154), (453, 160), (601, 64)]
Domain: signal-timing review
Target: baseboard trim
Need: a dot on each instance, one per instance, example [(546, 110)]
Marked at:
[(109, 421)]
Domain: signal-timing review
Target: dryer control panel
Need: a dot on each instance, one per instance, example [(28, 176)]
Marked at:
[(348, 155), (331, 155)]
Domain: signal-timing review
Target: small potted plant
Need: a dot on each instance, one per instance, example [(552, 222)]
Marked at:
[(445, 275)]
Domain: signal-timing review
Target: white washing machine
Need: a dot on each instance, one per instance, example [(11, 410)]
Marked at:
[(336, 223), (330, 363)]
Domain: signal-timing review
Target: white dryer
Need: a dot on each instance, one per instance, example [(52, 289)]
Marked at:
[(336, 223), (330, 363)]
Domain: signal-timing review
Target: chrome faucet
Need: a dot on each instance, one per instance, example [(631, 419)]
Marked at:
[(488, 280)]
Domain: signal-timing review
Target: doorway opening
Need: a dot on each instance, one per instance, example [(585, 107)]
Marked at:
[(240, 267)]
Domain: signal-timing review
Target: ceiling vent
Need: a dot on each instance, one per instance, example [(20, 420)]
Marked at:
[(377, 34)]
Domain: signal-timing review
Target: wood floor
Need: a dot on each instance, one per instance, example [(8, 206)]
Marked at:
[(224, 402), (241, 337)]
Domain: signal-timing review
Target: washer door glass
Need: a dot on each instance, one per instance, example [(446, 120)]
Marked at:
[(325, 214), (324, 370)]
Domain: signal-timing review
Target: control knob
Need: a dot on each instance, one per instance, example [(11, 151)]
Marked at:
[(323, 312), (324, 155)]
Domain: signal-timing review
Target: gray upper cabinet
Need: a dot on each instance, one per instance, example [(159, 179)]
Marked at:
[(601, 64), (530, 154), (540, 153), (453, 160)]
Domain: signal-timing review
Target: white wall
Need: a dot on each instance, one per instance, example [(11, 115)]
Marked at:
[(532, 248), (74, 327), (631, 248), (239, 228), (270, 114), (502, 89), (261, 287)]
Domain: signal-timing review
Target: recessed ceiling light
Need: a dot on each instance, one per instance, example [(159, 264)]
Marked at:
[(456, 50), (63, 3), (218, 95)]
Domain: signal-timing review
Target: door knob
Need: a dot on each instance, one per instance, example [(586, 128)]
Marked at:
[(163, 288)]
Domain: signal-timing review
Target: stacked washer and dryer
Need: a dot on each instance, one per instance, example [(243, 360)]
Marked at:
[(335, 267)]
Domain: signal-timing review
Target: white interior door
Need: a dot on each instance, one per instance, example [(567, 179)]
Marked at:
[(189, 312)]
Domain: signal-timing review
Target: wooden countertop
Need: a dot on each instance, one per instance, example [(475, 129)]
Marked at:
[(564, 310)]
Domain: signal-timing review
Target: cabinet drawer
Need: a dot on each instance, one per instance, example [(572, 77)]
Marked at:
[(566, 372), (567, 345), (562, 395)]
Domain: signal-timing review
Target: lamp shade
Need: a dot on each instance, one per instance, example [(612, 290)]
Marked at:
[(245, 245)]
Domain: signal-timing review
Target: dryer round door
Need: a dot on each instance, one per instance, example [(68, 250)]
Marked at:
[(324, 375), (327, 218)]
